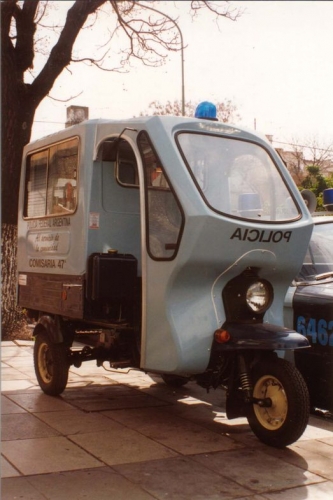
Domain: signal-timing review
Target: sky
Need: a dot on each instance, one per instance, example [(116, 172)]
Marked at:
[(275, 63)]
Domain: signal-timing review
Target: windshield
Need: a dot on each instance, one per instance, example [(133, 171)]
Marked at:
[(237, 178), (319, 257)]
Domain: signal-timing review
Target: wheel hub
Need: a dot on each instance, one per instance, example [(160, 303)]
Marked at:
[(271, 405)]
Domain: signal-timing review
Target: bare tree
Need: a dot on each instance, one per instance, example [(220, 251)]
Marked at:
[(145, 35), (319, 153), (307, 152), (226, 111), (294, 161)]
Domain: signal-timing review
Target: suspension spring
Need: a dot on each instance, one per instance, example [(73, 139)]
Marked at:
[(245, 382), (244, 376)]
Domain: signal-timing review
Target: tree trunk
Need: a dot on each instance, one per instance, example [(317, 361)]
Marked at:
[(15, 135), (17, 118), (12, 317)]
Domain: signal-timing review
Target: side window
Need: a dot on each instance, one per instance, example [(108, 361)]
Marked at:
[(51, 186), (36, 184), (163, 214), (127, 170), (62, 178)]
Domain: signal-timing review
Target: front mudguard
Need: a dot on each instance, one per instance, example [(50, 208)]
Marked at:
[(51, 326), (250, 344), (260, 336)]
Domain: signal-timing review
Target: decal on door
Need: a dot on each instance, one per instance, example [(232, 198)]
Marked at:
[(318, 331)]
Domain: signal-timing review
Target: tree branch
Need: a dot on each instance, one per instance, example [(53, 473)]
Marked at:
[(60, 55), (221, 9), (25, 28), (8, 10)]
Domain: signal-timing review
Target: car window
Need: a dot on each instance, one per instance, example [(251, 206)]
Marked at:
[(319, 256)]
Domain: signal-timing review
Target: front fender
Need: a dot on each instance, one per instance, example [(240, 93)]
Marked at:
[(260, 336)]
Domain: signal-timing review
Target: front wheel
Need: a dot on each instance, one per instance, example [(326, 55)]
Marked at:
[(51, 365), (285, 420)]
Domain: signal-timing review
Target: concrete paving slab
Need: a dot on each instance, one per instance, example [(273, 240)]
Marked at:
[(24, 426), (8, 406), (75, 421), (190, 392), (314, 461), (24, 343), (253, 497), (328, 440), (314, 455), (257, 470), (28, 371), (130, 377), (44, 455), (320, 491), (7, 343), (19, 488), (183, 479), (90, 368), (116, 396), (13, 351), (17, 385), (19, 361), (209, 416), (317, 429), (176, 433), (7, 470), (101, 484), (314, 432), (37, 401), (10, 373), (324, 450), (92, 380), (121, 445)]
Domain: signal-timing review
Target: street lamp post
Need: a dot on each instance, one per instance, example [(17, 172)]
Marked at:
[(181, 53)]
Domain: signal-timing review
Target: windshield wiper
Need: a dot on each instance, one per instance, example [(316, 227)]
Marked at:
[(311, 279), (323, 276)]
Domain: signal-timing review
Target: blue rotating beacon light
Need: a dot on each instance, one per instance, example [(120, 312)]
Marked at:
[(206, 110)]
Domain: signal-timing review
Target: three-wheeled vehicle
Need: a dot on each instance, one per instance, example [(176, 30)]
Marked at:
[(172, 242)]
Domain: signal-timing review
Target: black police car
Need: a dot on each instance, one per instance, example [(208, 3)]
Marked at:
[(309, 309)]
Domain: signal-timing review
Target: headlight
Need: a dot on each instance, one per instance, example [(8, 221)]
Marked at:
[(259, 297)]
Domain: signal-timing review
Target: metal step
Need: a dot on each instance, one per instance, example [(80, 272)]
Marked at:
[(88, 332)]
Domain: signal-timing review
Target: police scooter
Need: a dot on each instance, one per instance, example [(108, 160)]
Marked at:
[(166, 244)]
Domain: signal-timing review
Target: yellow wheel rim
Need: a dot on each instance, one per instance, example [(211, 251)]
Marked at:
[(271, 418), (45, 363)]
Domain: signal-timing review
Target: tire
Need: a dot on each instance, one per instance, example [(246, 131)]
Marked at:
[(285, 421), (51, 365), (174, 380)]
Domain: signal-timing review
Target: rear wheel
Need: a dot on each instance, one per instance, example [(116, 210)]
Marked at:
[(284, 421), (51, 365)]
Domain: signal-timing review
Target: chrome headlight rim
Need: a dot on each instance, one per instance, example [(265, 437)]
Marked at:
[(259, 296)]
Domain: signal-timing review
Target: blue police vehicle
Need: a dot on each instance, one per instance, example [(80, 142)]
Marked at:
[(309, 309)]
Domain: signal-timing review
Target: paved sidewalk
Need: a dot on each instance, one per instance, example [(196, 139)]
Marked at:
[(128, 436)]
